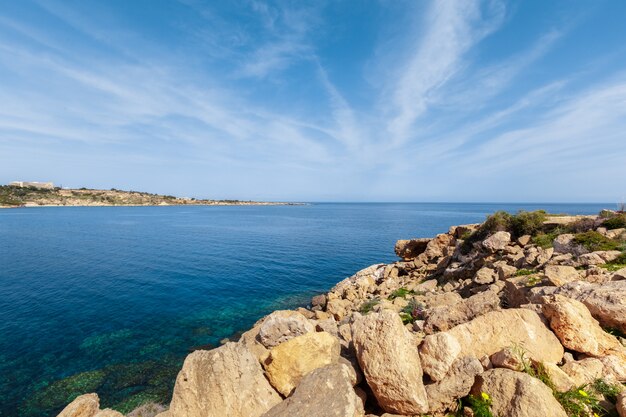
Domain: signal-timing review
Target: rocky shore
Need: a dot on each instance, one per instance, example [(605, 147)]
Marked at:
[(522, 315)]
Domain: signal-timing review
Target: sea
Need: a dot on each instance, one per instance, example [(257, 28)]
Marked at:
[(112, 299)]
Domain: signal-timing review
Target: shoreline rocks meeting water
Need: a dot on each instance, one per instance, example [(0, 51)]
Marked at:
[(522, 315)]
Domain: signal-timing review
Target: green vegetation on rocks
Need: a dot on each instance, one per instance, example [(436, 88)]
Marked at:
[(594, 241)]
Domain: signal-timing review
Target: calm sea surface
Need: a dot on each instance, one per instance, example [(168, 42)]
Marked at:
[(111, 299)]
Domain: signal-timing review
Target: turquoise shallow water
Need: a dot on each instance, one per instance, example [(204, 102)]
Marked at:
[(111, 299)]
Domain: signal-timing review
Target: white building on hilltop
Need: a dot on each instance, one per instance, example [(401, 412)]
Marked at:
[(42, 185)]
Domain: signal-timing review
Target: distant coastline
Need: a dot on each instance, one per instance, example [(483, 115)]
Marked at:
[(14, 196)]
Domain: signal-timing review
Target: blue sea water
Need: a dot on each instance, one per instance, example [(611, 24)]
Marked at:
[(111, 299)]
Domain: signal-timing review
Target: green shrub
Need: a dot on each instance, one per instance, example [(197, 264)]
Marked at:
[(523, 272), (615, 222), (594, 241), (480, 405), (412, 312), (544, 240), (400, 293), (527, 222), (369, 305), (608, 390)]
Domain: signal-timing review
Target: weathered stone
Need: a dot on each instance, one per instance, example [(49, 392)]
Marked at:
[(291, 360), (456, 384), (544, 255), (442, 299), (283, 325), (584, 371), (505, 271), (517, 289), (445, 317), (559, 275), (523, 240), (615, 233), (339, 308), (250, 340), (409, 249), (227, 381), (107, 412), (388, 357), (485, 276), (565, 244), (620, 405), (614, 365), (620, 274), (507, 358), (516, 394), (598, 257), (497, 241), (439, 247), (318, 301), (562, 381), (576, 328), (324, 392), (487, 334), (86, 405)]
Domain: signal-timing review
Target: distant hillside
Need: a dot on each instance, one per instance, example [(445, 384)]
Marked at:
[(15, 196)]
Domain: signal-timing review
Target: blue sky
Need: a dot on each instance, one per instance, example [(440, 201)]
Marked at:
[(326, 101)]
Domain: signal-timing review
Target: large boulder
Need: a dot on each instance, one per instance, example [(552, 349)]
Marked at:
[(486, 335), (516, 394), (621, 404), (456, 384), (576, 328), (289, 362), (227, 381), (86, 405), (283, 325), (388, 356), (325, 392), (497, 241), (409, 249), (565, 244), (445, 317), (559, 275)]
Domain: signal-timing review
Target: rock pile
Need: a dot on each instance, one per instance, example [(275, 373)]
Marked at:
[(481, 321)]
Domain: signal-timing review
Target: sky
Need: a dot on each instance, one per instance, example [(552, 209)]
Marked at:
[(390, 100)]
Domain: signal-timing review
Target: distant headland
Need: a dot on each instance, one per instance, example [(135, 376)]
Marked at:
[(40, 194)]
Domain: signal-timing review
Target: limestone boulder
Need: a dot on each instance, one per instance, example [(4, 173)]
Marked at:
[(456, 384), (486, 335), (577, 330), (516, 394), (412, 248), (388, 356), (485, 275), (227, 381), (324, 392), (584, 371), (283, 325), (565, 244), (497, 241), (86, 405), (107, 412), (445, 317), (440, 246), (290, 361), (559, 275), (614, 365), (507, 358), (598, 257)]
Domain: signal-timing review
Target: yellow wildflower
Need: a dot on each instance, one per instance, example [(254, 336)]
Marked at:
[(583, 393), (485, 396)]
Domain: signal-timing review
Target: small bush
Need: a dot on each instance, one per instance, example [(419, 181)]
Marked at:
[(527, 222), (523, 272), (615, 222), (544, 240), (594, 241), (608, 390), (480, 405), (369, 305), (412, 312), (400, 293)]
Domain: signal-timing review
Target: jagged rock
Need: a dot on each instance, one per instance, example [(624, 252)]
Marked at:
[(318, 301), (283, 325), (485, 275), (606, 302), (576, 328), (505, 271), (584, 371), (338, 308), (86, 405), (517, 289), (598, 257), (290, 361), (497, 241), (388, 357), (516, 394), (439, 247), (562, 381), (523, 240), (615, 233), (544, 255), (250, 340), (487, 334), (614, 365), (409, 249), (456, 384), (620, 274), (620, 405), (443, 299), (565, 244), (324, 392), (445, 317), (559, 275), (507, 358), (227, 381)]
